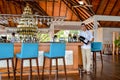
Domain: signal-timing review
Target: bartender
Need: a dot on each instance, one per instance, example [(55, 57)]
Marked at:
[(13, 39), (86, 48)]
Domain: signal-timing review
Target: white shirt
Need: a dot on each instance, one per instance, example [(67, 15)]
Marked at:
[(13, 39), (88, 35)]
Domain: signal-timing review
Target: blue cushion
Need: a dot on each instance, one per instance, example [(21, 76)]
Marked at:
[(96, 46), (47, 54), (56, 50), (6, 50), (18, 55), (28, 50)]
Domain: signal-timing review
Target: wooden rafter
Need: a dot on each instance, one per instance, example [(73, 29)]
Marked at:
[(21, 4), (46, 5), (98, 6), (87, 9), (115, 2), (16, 11), (104, 10), (71, 9), (60, 7), (53, 4), (38, 8), (66, 11), (82, 12), (114, 6), (73, 3), (71, 17), (4, 6), (35, 6), (100, 3), (105, 7)]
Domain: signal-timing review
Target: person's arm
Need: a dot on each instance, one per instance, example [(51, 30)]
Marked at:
[(80, 34), (92, 40)]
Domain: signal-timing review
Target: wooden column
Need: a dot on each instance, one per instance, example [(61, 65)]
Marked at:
[(95, 29), (115, 49), (51, 32)]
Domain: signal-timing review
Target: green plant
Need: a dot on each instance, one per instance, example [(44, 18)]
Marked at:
[(117, 42)]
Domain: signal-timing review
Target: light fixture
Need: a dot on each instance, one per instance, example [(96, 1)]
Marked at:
[(81, 2), (27, 24)]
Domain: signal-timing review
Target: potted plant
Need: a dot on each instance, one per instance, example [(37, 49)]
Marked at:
[(117, 42)]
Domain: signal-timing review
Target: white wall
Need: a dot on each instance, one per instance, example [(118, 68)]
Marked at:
[(105, 34)]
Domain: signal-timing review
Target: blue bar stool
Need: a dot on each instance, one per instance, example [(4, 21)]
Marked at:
[(96, 47), (57, 50), (7, 53), (28, 51)]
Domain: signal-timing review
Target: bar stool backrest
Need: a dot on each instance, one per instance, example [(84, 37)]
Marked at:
[(6, 50), (57, 49), (29, 50), (96, 46)]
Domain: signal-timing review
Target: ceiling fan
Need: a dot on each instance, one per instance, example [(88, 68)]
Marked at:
[(83, 3)]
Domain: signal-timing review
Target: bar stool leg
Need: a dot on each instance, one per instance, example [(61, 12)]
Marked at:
[(30, 69), (43, 68), (8, 68), (65, 68), (15, 66), (94, 61), (50, 69), (21, 70), (56, 68), (13, 69), (101, 57), (37, 68)]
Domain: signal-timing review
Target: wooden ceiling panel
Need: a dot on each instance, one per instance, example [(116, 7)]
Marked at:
[(109, 24), (85, 13), (63, 9), (49, 8), (116, 8), (4, 6), (18, 8), (56, 8), (12, 8), (75, 18), (95, 4), (42, 5), (102, 6), (1, 7), (109, 7), (68, 16)]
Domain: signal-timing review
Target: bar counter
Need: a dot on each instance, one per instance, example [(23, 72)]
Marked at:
[(74, 47)]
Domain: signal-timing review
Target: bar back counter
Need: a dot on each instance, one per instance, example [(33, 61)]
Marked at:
[(73, 57)]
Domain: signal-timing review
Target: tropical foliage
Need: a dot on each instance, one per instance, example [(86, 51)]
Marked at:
[(117, 42)]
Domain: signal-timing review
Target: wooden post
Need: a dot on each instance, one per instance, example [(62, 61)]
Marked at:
[(51, 32), (95, 29), (115, 49)]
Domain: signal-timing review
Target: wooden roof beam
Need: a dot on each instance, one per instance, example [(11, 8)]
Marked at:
[(38, 8), (106, 18), (66, 3)]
